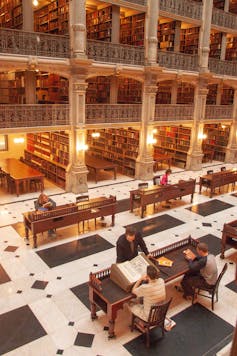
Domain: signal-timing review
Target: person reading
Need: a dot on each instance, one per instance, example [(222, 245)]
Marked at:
[(44, 203), (202, 270), (128, 244), (165, 177), (151, 288)]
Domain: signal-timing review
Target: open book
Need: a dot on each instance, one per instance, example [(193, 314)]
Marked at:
[(164, 261), (125, 274)]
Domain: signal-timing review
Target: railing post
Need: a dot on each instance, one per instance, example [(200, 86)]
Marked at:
[(231, 150)]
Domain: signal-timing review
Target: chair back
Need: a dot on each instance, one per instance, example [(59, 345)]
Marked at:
[(142, 185), (158, 313), (35, 204), (215, 288), (81, 198), (210, 171), (223, 169), (156, 180)]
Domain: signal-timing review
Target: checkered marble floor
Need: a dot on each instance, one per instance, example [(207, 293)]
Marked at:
[(34, 296)]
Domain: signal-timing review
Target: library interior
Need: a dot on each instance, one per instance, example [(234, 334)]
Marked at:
[(98, 101)]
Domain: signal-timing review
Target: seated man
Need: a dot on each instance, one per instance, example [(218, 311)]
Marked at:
[(153, 291), (202, 270), (44, 203), (127, 245)]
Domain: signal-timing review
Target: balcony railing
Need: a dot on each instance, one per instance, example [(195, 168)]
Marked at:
[(33, 43), (138, 2), (214, 112), (14, 116), (224, 19), (113, 113), (223, 67), (177, 60), (184, 8), (115, 52), (171, 112)]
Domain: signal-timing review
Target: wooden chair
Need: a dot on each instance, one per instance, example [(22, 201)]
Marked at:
[(212, 290), (156, 318), (142, 185), (223, 169), (156, 180)]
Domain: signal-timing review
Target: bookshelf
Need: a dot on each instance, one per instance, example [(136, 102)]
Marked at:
[(98, 90), (211, 95), (227, 96), (117, 145), (99, 24), (49, 153), (163, 95), (11, 14), (52, 18), (51, 89), (189, 39), (173, 140), (231, 48), (233, 6), (215, 44), (166, 36), (132, 29), (129, 91), (185, 94), (217, 139), (12, 88), (219, 4)]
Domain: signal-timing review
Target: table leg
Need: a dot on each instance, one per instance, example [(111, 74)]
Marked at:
[(115, 172), (27, 233), (113, 218), (93, 311), (96, 175), (17, 188), (111, 329), (35, 240)]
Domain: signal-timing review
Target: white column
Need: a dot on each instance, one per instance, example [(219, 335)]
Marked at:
[(115, 24), (231, 150), (28, 15), (30, 87), (177, 36), (114, 83), (151, 27), (77, 9), (204, 37), (219, 93), (174, 92), (223, 46), (227, 5)]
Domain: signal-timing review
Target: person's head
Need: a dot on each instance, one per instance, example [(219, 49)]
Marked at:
[(152, 272), (130, 233), (202, 249), (168, 172), (43, 198)]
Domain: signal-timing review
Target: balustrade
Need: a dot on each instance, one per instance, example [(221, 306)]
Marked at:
[(220, 112), (178, 60), (172, 112), (184, 8), (223, 67), (224, 19), (113, 113)]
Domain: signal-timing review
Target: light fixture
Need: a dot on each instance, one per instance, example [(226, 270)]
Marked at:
[(82, 147), (151, 140), (19, 140), (154, 130), (223, 126), (35, 2), (202, 136), (95, 134)]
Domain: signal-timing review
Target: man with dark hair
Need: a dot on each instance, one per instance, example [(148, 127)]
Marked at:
[(153, 291), (202, 270), (127, 245)]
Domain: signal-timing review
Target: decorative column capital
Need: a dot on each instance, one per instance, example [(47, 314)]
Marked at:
[(79, 27), (79, 87)]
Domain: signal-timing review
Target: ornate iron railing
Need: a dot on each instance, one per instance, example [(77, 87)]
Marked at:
[(14, 116), (219, 112), (113, 113), (186, 8), (115, 52), (223, 67), (33, 43), (224, 19), (138, 2), (171, 112), (178, 60)]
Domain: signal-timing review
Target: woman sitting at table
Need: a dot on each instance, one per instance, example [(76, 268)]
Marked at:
[(165, 177), (44, 203)]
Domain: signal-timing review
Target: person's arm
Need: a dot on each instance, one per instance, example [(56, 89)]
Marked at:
[(53, 204), (138, 288), (120, 253), (197, 264), (142, 244)]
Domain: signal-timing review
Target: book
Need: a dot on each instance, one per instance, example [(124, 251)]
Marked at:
[(164, 261), (169, 324)]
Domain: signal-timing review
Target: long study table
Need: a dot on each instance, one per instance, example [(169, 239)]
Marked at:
[(217, 180), (97, 165), (21, 173), (108, 296)]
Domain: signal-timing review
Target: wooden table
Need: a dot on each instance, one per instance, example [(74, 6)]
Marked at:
[(97, 164), (20, 172), (69, 214), (104, 293), (160, 158), (229, 236), (217, 179)]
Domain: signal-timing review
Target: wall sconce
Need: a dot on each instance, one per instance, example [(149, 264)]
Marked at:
[(154, 131), (202, 136), (19, 140), (223, 127), (82, 147), (151, 140), (95, 134), (35, 2)]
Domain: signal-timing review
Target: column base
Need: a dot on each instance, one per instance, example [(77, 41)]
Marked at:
[(194, 161), (231, 155), (144, 170), (76, 179)]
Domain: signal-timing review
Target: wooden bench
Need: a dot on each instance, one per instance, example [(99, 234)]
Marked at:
[(217, 180), (229, 236), (69, 214), (159, 193)]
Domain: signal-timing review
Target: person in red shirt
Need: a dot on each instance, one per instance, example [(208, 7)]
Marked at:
[(164, 178)]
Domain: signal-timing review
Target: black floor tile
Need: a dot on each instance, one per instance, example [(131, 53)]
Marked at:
[(213, 242), (123, 205), (18, 327), (39, 284), (198, 332), (232, 286), (82, 293), (70, 251), (3, 275), (84, 340), (157, 224), (210, 207)]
